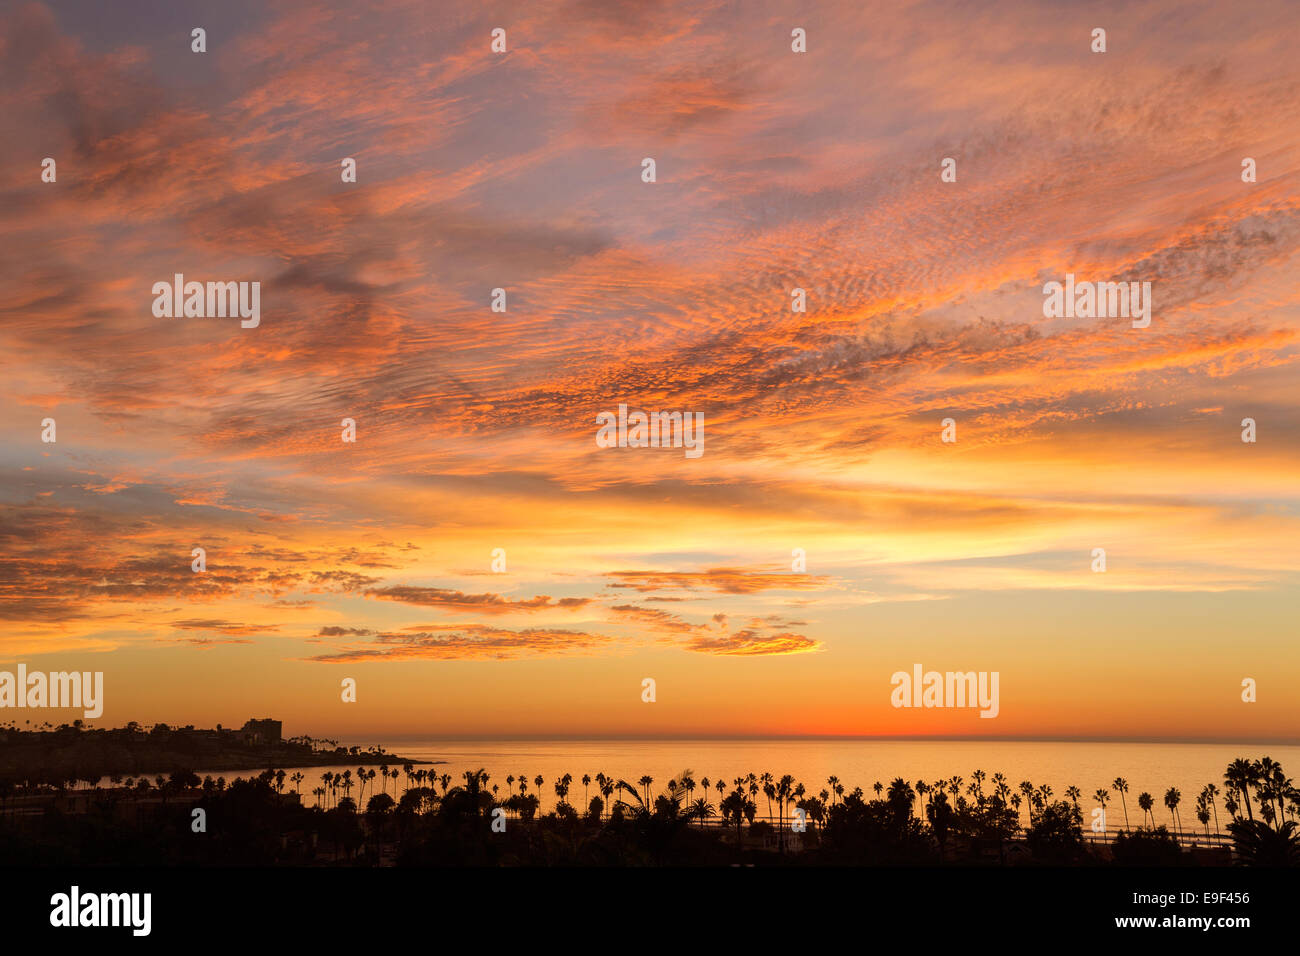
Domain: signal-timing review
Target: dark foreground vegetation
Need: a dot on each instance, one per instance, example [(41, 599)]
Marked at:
[(180, 819)]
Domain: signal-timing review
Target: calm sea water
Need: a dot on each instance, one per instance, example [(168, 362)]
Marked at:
[(1150, 767)]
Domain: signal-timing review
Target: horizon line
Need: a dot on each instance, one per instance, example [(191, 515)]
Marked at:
[(1270, 741), (736, 738)]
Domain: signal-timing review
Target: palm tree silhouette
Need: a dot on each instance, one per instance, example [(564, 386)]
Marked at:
[(347, 783), (768, 791), (645, 781), (1101, 796), (1120, 786), (1210, 792), (701, 810), (1172, 796), (606, 790), (1146, 802), (900, 796), (1000, 787), (1203, 811), (1239, 776), (1276, 785), (784, 795)]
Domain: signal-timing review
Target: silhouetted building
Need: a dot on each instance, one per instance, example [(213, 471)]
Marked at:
[(262, 732)]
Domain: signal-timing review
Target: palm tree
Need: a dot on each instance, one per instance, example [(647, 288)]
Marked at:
[(1074, 793), (1239, 776), (768, 791), (1146, 802), (737, 808), (606, 789), (1172, 796), (586, 783), (645, 781), (1120, 786), (1231, 806), (1276, 784), (784, 795), (347, 783), (815, 807), (900, 795), (1265, 771), (831, 781), (1101, 796), (1210, 792), (701, 809), (1203, 812), (1256, 844)]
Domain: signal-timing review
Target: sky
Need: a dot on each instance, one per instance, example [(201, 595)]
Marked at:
[(775, 170)]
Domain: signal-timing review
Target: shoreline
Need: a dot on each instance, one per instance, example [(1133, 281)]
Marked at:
[(351, 760)]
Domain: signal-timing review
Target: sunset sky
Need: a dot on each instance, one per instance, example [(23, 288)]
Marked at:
[(476, 430)]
